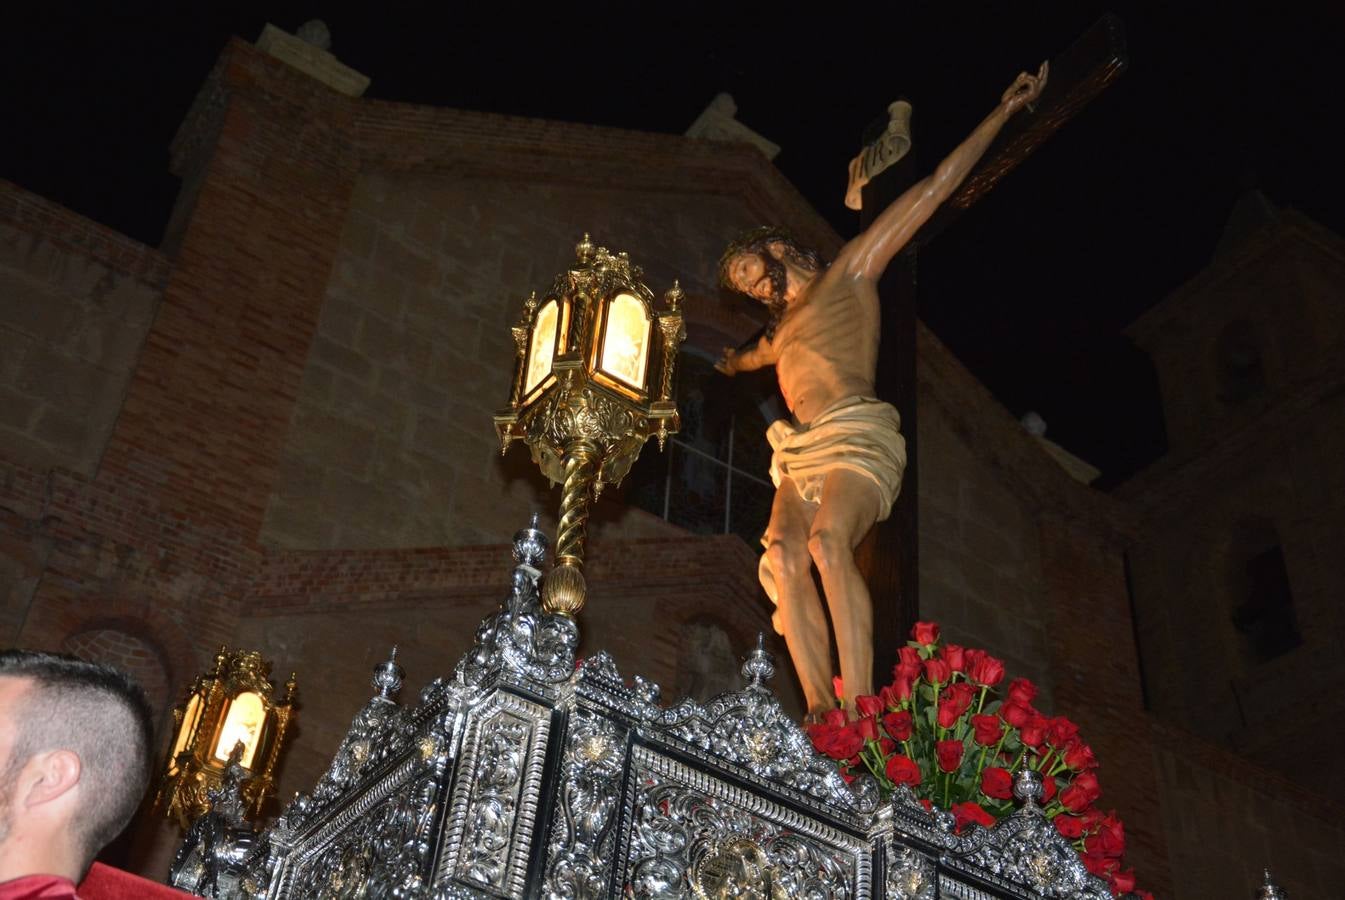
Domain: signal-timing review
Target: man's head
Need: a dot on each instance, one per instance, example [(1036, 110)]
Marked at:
[(754, 264), (75, 742)]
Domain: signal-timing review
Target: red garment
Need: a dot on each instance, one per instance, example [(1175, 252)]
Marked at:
[(38, 887), (110, 883)]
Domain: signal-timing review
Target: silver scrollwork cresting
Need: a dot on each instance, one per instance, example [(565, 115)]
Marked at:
[(442, 800)]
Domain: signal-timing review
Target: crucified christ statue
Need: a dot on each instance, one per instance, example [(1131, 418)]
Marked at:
[(837, 465)]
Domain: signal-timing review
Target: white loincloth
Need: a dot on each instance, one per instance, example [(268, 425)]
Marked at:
[(858, 434)]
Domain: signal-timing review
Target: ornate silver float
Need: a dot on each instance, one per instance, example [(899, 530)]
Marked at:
[(530, 773)]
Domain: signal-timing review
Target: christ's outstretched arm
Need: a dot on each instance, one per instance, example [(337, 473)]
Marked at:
[(868, 254)]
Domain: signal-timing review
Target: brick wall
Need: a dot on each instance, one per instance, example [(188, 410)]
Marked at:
[(129, 653), (332, 616), (1278, 282), (980, 564), (75, 302), (1226, 820), (1272, 462), (391, 443)]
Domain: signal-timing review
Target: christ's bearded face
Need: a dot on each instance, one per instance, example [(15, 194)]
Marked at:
[(761, 276)]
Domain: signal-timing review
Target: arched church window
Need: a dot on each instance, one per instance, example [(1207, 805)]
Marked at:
[(1240, 361), (713, 476), (1263, 603)]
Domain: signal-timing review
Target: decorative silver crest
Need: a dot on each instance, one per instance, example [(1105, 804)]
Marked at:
[(528, 775)]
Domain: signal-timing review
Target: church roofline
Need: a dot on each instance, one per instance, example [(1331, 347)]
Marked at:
[(1291, 225), (40, 216)]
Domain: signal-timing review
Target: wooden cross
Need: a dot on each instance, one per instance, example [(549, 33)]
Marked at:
[(888, 556)]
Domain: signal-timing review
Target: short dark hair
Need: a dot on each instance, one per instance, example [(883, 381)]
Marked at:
[(757, 240), (100, 714)]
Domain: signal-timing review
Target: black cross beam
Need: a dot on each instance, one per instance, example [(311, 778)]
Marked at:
[(888, 556)]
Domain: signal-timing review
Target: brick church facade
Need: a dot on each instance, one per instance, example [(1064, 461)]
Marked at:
[(273, 432)]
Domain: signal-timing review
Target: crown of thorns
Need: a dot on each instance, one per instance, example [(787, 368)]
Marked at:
[(757, 240)]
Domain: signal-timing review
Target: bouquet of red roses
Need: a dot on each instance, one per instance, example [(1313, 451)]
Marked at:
[(941, 728)]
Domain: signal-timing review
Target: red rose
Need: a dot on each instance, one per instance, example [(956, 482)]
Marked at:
[(954, 701), (985, 670), (926, 633), (838, 743), (909, 664), (970, 813), (1123, 882), (901, 688), (1060, 731), (1081, 793), (1048, 787), (903, 770), (888, 694), (898, 724), (1101, 866), (997, 783), (1034, 732), (1022, 691), (955, 656), (834, 717), (937, 671), (971, 655), (1079, 757), (949, 754), (1070, 827), (887, 746), (988, 729), (838, 687), (1092, 817), (959, 695), (868, 728), (868, 705), (1016, 714), (1109, 839)]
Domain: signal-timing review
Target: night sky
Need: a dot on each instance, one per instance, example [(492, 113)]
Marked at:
[(1030, 289)]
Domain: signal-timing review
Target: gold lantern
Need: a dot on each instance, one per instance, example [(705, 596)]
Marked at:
[(594, 381), (229, 710)]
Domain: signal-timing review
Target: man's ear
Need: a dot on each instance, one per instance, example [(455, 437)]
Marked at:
[(49, 776)]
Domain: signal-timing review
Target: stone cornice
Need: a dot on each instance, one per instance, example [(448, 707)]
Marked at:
[(40, 216), (403, 136)]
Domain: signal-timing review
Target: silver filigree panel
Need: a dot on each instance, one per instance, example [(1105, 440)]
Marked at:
[(580, 855), (694, 835), (376, 843), (495, 796)]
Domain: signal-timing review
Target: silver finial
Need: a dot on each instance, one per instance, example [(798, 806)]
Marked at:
[(759, 666), (1270, 890), (388, 677), (1027, 786), (530, 544)]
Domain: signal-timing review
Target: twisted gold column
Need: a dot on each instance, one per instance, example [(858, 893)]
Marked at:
[(565, 589)]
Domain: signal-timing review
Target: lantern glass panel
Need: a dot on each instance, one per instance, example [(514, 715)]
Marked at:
[(625, 343), (190, 716), (542, 348), (247, 715)]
